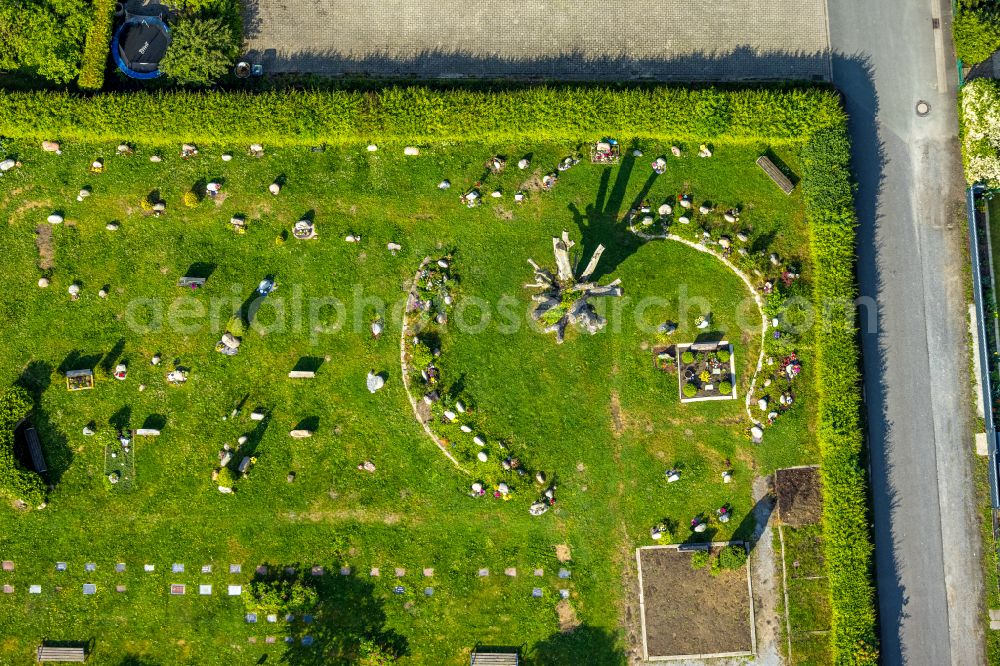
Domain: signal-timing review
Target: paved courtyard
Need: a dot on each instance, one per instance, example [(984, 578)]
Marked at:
[(562, 39)]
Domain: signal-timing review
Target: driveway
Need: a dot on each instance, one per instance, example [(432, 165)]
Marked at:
[(565, 39), (889, 55)]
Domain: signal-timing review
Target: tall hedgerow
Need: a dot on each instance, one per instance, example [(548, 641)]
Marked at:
[(830, 213), (94, 61), (15, 481)]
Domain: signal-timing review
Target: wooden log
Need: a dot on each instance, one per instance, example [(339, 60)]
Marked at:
[(592, 264)]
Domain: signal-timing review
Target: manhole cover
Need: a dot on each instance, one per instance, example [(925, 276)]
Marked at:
[(923, 108)]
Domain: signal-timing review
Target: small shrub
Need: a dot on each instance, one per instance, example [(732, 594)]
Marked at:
[(714, 567), (723, 356), (146, 204), (191, 199), (699, 559), (94, 61), (225, 479), (690, 390), (725, 388), (280, 596), (705, 376), (733, 557), (236, 327), (687, 357), (200, 52), (977, 35)]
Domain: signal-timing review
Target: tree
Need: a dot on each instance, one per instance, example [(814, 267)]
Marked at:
[(280, 596), (201, 51), (15, 481)]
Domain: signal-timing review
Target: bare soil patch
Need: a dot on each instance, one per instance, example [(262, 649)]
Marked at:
[(691, 612), (567, 617), (799, 499), (46, 250), (562, 553), (617, 424)]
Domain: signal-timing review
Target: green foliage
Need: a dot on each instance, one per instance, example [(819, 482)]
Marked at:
[(226, 479), (977, 34), (280, 596), (191, 199), (95, 48), (830, 213), (690, 390), (371, 653), (725, 387), (201, 51), (418, 115), (723, 356), (236, 326), (733, 557), (687, 357), (43, 38), (15, 481), (699, 559)]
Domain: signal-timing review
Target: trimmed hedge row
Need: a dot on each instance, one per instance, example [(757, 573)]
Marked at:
[(830, 212), (419, 115), (94, 60)]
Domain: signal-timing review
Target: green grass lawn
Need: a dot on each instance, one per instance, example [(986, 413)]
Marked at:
[(808, 595), (594, 413)]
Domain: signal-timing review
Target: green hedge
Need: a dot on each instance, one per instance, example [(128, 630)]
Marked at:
[(419, 115), (830, 212), (96, 46), (977, 34), (15, 481)]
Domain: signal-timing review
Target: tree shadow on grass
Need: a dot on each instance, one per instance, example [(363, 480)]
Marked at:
[(36, 378), (586, 644), (348, 616)]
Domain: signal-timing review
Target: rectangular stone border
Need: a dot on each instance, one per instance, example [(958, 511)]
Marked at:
[(642, 603), (680, 349)]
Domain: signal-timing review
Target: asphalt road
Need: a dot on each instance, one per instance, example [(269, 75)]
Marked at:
[(887, 56)]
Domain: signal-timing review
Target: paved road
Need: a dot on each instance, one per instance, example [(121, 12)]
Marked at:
[(916, 365), (565, 39)]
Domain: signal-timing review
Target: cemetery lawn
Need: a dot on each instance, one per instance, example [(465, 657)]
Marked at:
[(594, 413)]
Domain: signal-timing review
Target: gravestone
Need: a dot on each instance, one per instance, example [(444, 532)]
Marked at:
[(89, 566), (484, 573), (564, 594), (307, 640), (177, 589), (8, 589), (60, 566), (510, 571), (272, 618), (345, 571), (428, 572), (269, 639), (177, 568), (235, 590), (35, 589), (252, 640), (428, 591), (399, 589), (251, 618), (536, 592), (8, 565), (539, 572), (261, 570), (374, 572), (307, 619), (400, 572), (317, 571), (120, 567), (206, 568), (119, 588), (235, 568), (148, 567), (564, 573), (205, 589), (89, 588)]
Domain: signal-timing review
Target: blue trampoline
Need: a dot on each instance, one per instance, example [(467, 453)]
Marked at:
[(138, 46)]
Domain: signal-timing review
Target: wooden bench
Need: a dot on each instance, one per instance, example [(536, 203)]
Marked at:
[(780, 179), (63, 654), (191, 282), (35, 450), (493, 659)]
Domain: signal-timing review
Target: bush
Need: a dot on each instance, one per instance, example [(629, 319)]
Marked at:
[(43, 38), (94, 61), (723, 356), (418, 115), (687, 357), (980, 119), (15, 481), (200, 52), (699, 559), (236, 326), (280, 597), (191, 199), (690, 390), (226, 478), (725, 388), (733, 557), (976, 34), (829, 204)]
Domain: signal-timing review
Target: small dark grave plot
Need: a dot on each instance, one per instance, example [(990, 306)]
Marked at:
[(799, 499), (690, 612)]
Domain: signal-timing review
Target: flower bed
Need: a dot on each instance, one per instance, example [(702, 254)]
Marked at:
[(705, 371)]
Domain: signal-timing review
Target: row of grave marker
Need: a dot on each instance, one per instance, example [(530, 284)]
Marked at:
[(263, 570)]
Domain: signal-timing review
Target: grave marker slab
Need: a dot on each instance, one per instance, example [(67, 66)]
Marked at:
[(400, 572), (344, 571), (149, 567), (235, 568), (307, 640), (120, 567), (272, 618), (289, 618), (483, 573), (89, 588), (374, 572), (60, 566), (510, 571), (428, 591), (206, 568), (261, 570), (177, 589), (564, 573), (8, 589), (205, 589), (119, 588), (317, 571), (539, 572), (536, 592), (8, 565), (307, 619), (90, 566), (399, 589), (269, 639), (251, 618), (35, 589), (289, 640), (290, 571), (564, 594), (235, 590), (177, 568), (252, 640), (428, 572)]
